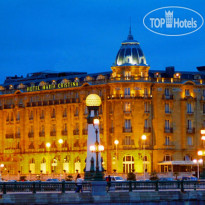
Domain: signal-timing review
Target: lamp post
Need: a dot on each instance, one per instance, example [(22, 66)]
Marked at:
[(93, 170), (144, 137), (48, 145), (202, 132), (199, 161), (116, 142), (60, 141)]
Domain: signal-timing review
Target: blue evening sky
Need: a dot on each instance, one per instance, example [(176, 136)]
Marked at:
[(85, 35)]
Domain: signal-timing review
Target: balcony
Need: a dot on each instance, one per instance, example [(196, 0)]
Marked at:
[(41, 134), (127, 130), (30, 134), (168, 130), (53, 133), (112, 130), (85, 131), (190, 130), (76, 132), (147, 129), (64, 132), (9, 136), (167, 97)]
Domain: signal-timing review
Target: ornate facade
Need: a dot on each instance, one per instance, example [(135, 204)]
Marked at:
[(166, 106)]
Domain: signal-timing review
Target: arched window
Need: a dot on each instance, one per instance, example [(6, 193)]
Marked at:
[(128, 164)]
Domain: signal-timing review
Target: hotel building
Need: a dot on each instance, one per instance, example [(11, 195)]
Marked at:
[(166, 106)]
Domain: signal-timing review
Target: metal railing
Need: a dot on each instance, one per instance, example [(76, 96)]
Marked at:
[(125, 186)]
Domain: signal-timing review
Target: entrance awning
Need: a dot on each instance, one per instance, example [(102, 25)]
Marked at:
[(176, 163)]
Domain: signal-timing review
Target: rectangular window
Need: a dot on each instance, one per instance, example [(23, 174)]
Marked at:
[(127, 123), (145, 92), (189, 124), (167, 140), (65, 112), (146, 124), (42, 114), (189, 140), (18, 116), (187, 93), (127, 91), (127, 140), (127, 107), (127, 75), (146, 107), (167, 124), (167, 108), (189, 108), (203, 93), (166, 92)]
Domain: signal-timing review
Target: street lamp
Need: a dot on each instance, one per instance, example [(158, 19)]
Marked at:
[(144, 137), (48, 145), (116, 142), (202, 132), (60, 141), (93, 162), (199, 161), (97, 148)]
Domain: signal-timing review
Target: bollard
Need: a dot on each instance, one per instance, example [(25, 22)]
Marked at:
[(156, 186), (182, 186), (34, 188), (130, 186), (63, 186), (4, 188)]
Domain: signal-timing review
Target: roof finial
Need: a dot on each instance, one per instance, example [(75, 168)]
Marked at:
[(130, 37)]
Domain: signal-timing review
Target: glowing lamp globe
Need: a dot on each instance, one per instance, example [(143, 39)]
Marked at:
[(93, 100)]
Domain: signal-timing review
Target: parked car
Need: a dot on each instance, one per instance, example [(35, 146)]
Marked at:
[(116, 178), (52, 180), (166, 179), (190, 178)]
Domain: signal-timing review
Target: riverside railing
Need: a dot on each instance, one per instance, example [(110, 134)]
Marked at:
[(125, 186)]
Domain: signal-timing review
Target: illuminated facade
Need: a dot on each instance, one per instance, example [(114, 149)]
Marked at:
[(166, 106)]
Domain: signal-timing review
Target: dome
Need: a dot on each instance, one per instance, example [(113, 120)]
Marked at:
[(130, 53)]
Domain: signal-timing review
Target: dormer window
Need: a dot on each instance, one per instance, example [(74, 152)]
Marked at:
[(157, 75)]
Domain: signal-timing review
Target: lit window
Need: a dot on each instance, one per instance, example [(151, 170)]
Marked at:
[(127, 107)]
